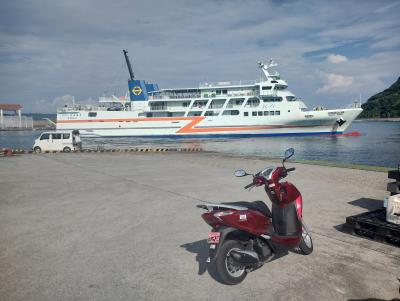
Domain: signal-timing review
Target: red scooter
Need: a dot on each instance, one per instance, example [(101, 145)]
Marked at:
[(245, 235)]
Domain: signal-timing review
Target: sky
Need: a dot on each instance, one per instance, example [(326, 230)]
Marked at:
[(329, 52)]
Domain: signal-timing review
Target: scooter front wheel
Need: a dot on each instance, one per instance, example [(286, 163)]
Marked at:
[(306, 245), (228, 270)]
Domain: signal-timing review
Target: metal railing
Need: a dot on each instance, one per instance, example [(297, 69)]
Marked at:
[(229, 83), (171, 95)]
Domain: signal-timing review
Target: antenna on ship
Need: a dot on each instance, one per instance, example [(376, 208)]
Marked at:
[(129, 64), (265, 66)]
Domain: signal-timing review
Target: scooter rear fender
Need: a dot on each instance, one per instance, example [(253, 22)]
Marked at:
[(225, 233)]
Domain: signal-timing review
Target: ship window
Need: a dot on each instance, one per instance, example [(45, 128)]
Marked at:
[(277, 112), (291, 98), (246, 113), (218, 92), (56, 136), (224, 91), (254, 114), (175, 114), (45, 137), (267, 88), (266, 113), (274, 81), (271, 113), (65, 136), (231, 112), (149, 115), (211, 113), (253, 102), (260, 113), (238, 101), (271, 99), (92, 114)]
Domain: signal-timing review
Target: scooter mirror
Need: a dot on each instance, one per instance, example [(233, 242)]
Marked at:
[(240, 173), (288, 153)]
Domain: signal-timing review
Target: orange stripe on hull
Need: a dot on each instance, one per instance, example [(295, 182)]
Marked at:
[(189, 128)]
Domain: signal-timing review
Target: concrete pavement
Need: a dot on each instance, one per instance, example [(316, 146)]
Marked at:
[(125, 227)]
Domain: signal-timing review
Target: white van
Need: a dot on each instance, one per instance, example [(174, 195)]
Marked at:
[(56, 141)]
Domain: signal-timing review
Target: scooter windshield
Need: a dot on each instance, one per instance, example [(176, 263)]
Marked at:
[(267, 171)]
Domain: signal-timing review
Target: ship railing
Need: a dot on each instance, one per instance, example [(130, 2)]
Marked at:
[(354, 105), (168, 108), (229, 83), (174, 96), (82, 108)]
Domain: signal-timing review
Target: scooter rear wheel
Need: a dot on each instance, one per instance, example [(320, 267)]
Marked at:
[(228, 270)]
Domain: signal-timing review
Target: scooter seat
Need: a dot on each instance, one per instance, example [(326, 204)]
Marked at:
[(256, 205)]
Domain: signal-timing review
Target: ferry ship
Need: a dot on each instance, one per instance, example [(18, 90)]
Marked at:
[(262, 107)]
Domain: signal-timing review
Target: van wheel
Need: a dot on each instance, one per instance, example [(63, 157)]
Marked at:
[(66, 149), (37, 150)]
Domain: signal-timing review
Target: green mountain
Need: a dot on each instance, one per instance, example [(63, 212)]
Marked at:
[(384, 104)]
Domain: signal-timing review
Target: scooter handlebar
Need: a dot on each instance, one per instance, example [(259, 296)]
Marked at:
[(290, 169)]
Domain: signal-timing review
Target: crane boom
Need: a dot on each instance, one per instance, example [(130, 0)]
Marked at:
[(128, 63)]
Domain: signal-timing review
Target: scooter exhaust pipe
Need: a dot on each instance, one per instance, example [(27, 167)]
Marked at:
[(245, 257)]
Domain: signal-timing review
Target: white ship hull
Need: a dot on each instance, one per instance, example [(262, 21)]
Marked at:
[(128, 124)]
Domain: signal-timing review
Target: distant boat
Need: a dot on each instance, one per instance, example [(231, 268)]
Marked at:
[(262, 107)]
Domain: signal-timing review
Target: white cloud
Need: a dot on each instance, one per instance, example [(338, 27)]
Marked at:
[(336, 83), (336, 58), (68, 49)]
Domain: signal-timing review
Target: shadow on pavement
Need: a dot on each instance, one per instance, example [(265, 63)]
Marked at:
[(366, 203), (200, 248)]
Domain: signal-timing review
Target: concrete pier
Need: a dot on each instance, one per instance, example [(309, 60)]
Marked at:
[(123, 226)]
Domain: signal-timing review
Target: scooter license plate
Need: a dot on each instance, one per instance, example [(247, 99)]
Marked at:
[(213, 237)]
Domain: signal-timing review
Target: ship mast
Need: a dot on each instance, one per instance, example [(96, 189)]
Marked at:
[(128, 63), (265, 66)]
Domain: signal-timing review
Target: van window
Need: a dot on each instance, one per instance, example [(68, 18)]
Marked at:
[(66, 136), (56, 136), (45, 136)]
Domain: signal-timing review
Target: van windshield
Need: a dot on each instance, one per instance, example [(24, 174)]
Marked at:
[(45, 136)]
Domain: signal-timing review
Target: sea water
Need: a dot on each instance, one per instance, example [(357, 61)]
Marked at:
[(379, 144)]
